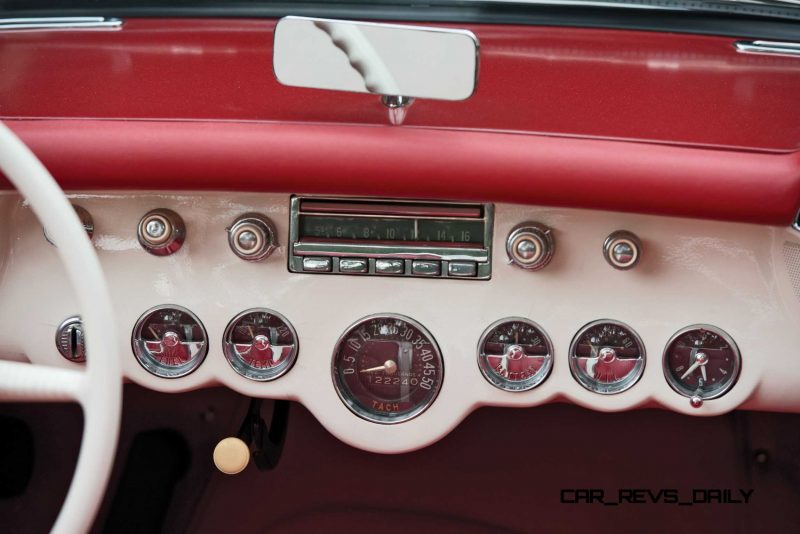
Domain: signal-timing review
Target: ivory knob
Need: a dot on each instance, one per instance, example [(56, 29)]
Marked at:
[(231, 456)]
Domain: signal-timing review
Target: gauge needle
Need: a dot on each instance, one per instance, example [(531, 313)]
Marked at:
[(691, 369), (389, 366), (703, 372)]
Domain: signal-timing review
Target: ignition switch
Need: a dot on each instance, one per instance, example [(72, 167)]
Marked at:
[(70, 340)]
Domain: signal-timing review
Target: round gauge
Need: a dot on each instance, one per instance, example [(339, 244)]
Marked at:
[(169, 341), (515, 354), (260, 344), (387, 368), (606, 357), (701, 362)]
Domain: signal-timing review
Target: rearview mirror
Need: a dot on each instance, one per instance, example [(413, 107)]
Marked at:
[(391, 60)]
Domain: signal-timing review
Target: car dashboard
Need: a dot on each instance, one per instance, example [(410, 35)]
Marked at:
[(734, 285)]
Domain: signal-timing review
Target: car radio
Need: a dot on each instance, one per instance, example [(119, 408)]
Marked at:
[(391, 238)]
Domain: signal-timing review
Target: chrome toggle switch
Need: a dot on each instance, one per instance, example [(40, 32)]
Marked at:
[(161, 232), (252, 237), (622, 250), (86, 220), (70, 340), (530, 246)]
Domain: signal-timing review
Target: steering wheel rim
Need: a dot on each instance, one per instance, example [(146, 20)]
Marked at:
[(98, 388)]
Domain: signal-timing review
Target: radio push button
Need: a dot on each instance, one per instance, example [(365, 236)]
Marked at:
[(317, 265), (426, 268), (353, 265), (389, 266), (462, 268)]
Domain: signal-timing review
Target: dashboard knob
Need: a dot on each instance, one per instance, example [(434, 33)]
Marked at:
[(70, 340), (231, 456), (252, 237), (161, 232), (86, 220), (622, 250), (530, 246)]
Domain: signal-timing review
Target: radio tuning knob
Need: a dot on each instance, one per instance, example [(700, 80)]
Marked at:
[(70, 340), (530, 246), (622, 250), (161, 232), (252, 237)]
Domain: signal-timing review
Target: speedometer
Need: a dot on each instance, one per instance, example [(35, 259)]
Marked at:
[(387, 368)]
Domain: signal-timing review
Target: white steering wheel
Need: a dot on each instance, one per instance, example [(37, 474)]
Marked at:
[(98, 388)]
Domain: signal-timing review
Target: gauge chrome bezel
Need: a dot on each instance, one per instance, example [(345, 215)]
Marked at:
[(354, 406), (593, 385), (156, 368), (685, 392), (515, 386), (249, 372)]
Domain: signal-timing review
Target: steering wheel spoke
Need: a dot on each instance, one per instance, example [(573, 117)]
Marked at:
[(23, 382)]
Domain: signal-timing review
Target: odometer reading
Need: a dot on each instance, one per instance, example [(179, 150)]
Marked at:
[(387, 368)]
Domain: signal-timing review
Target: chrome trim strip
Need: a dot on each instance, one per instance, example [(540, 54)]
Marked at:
[(768, 47), (59, 23)]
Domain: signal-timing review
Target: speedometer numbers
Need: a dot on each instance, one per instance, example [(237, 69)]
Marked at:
[(515, 354), (701, 362), (606, 357), (387, 368)]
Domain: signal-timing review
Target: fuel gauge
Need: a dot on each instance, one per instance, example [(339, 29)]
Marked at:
[(169, 341), (701, 362), (260, 344), (607, 357)]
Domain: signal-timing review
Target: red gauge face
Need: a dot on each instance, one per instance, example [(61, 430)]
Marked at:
[(387, 369), (701, 361), (515, 354), (260, 344), (607, 357), (169, 341)]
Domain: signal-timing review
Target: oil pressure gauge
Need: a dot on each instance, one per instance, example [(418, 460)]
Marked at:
[(607, 357), (701, 362), (515, 354), (169, 341), (260, 344)]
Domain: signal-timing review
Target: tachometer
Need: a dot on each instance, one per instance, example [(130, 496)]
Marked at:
[(701, 362), (387, 368), (606, 357)]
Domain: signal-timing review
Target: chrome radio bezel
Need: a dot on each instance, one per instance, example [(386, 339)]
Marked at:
[(407, 251)]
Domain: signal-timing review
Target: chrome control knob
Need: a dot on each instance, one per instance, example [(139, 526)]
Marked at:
[(70, 340), (252, 237), (622, 250), (86, 220), (530, 246), (161, 232)]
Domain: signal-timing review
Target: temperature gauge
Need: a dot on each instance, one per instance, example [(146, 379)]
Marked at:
[(260, 344), (169, 341), (606, 357), (515, 354), (701, 362)]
